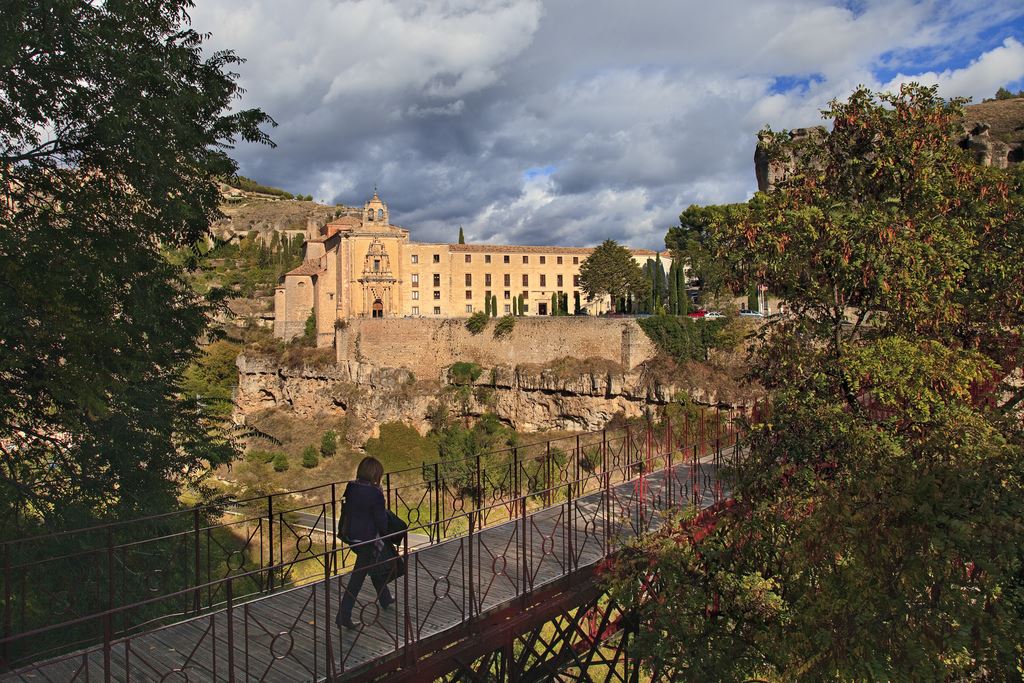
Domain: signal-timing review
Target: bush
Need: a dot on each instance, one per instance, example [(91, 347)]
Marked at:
[(309, 458), (400, 446), (504, 326), (463, 373), (329, 444), (261, 457), (309, 333), (477, 322), (458, 448), (281, 463)]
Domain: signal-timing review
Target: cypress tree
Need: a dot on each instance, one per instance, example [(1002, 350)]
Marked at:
[(752, 298), (554, 304), (520, 300), (673, 299), (462, 236), (487, 305), (494, 305)]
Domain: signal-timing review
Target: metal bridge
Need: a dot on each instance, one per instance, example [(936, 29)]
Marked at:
[(502, 585)]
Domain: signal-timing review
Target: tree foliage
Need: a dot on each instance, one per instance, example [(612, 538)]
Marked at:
[(610, 271), (329, 443), (113, 132), (879, 513)]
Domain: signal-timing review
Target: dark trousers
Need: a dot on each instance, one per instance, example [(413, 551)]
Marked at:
[(366, 557)]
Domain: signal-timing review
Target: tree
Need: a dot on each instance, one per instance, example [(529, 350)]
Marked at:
[(611, 271), (522, 309), (494, 305), (554, 304), (309, 331), (487, 305), (113, 134), (281, 463), (309, 457), (462, 236), (687, 242), (673, 303), (329, 444), (876, 531)]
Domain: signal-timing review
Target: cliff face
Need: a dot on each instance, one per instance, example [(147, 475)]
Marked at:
[(528, 398)]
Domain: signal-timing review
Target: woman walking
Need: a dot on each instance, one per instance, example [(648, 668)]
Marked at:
[(365, 527)]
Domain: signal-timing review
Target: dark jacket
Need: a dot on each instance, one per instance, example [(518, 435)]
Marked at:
[(365, 511)]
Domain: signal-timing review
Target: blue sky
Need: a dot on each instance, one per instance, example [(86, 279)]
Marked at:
[(571, 121)]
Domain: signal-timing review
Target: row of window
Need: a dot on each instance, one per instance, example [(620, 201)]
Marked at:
[(415, 280), (469, 309), (469, 294), (506, 259)]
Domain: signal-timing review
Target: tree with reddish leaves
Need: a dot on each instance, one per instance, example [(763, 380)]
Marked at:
[(878, 525)]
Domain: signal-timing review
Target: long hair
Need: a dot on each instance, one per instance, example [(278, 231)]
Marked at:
[(370, 470)]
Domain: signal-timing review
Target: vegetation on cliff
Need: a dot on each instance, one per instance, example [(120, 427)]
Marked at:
[(877, 527)]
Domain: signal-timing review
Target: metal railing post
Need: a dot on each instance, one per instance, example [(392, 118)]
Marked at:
[(405, 594), (196, 579), (527, 580), (230, 615), (107, 637), (472, 578), (270, 533), (438, 503), (334, 525), (5, 654)]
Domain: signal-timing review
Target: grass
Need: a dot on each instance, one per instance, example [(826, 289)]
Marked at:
[(399, 447)]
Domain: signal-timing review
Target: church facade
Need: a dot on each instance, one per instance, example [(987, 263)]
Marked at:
[(362, 266)]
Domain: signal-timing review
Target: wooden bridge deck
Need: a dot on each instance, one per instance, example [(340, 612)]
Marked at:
[(285, 636)]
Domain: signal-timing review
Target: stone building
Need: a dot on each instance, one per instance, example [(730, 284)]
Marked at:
[(362, 266)]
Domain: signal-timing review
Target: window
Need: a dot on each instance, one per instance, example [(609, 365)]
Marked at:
[(415, 296), (526, 259), (415, 310), (469, 258), (487, 258), (437, 279), (543, 281), (575, 260), (415, 258), (415, 279), (575, 280), (508, 280), (508, 309), (526, 280), (437, 258), (526, 307), (469, 308), (469, 279), (380, 214), (487, 280), (437, 310), (525, 294), (469, 293), (508, 294), (376, 265), (559, 279), (543, 260), (369, 215), (506, 258), (558, 259), (437, 294)]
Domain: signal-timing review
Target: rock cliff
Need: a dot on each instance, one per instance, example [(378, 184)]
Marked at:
[(529, 398)]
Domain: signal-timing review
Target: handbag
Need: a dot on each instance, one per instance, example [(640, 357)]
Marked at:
[(343, 529)]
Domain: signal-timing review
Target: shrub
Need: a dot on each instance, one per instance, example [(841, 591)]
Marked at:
[(309, 458), (309, 332), (400, 446), (464, 373), (262, 457), (329, 444), (504, 326), (477, 322), (281, 463)]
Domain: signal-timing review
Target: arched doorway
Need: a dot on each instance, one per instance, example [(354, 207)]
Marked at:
[(378, 309)]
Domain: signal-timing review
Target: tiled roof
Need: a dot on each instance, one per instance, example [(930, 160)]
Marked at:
[(512, 249), (307, 268)]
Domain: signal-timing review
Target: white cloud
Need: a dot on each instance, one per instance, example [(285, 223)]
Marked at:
[(639, 109)]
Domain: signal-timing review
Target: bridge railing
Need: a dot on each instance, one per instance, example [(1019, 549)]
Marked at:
[(120, 588)]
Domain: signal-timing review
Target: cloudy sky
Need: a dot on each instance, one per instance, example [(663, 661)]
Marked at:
[(571, 121)]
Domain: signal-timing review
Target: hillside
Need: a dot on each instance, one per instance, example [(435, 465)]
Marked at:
[(269, 211), (1006, 118)]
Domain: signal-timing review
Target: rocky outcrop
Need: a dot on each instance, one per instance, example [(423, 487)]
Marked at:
[(988, 150), (773, 165), (528, 397)]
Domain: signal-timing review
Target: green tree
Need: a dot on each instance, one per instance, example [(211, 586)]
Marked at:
[(687, 243), (212, 376), (462, 236), (494, 305), (877, 527), (113, 135), (554, 304), (487, 305), (329, 443), (309, 331), (611, 271), (309, 458), (673, 303), (280, 462), (522, 309)]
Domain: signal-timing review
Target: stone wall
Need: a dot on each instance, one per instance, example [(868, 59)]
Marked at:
[(428, 346)]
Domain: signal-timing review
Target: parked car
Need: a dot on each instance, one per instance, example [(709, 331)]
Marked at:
[(713, 315), (696, 315), (751, 314)]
